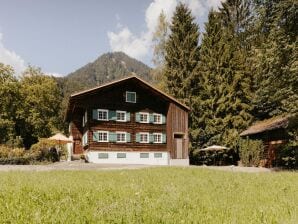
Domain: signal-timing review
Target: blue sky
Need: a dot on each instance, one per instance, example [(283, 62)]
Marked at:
[(60, 36)]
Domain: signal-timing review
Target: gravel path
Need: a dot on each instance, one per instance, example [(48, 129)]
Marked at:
[(239, 169), (79, 165), (74, 165)]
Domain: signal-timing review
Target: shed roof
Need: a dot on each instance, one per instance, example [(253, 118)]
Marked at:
[(267, 125)]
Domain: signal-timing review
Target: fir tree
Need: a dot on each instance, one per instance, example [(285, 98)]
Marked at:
[(182, 55), (277, 64), (223, 107)]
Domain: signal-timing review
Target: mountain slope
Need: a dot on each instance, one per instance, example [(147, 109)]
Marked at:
[(106, 68)]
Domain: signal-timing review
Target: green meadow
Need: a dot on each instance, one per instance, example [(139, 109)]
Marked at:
[(152, 195)]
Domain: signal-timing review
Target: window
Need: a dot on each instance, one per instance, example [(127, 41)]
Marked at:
[(85, 139), (103, 136), (144, 155), (144, 117), (157, 137), (121, 155), (158, 155), (121, 136), (121, 115), (144, 137), (157, 119), (102, 115), (103, 155), (131, 97)]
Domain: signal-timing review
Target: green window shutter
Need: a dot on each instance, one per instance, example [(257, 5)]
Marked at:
[(138, 118), (164, 138), (128, 137), (151, 118), (112, 137), (138, 137), (112, 115), (95, 136), (95, 114), (151, 138), (163, 119), (127, 116)]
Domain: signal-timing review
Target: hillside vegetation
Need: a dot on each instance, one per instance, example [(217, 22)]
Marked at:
[(156, 195), (108, 67)]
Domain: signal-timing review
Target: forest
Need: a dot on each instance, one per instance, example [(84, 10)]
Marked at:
[(239, 68)]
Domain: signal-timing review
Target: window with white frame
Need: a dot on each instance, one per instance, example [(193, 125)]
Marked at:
[(102, 115), (121, 136), (144, 137), (157, 119), (131, 97), (103, 136), (144, 117), (85, 139), (121, 115), (157, 137)]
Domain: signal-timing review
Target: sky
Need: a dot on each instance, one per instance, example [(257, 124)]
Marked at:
[(60, 36)]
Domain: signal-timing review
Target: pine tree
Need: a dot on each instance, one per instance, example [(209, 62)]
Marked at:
[(277, 63), (223, 106), (182, 55)]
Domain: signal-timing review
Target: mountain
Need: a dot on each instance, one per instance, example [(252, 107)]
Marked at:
[(106, 68)]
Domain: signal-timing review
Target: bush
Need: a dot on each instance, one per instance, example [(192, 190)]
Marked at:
[(46, 150), (250, 151), (16, 156), (287, 156), (225, 157)]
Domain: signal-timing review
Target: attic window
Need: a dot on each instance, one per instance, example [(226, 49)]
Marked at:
[(131, 97)]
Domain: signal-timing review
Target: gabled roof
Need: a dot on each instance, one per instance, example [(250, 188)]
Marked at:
[(267, 125), (98, 88)]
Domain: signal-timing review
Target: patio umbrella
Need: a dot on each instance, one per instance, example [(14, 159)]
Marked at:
[(60, 139), (214, 148)]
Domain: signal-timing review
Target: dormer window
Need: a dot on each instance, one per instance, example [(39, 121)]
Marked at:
[(131, 97)]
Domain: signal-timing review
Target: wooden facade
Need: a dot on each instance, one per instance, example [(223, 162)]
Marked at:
[(112, 97)]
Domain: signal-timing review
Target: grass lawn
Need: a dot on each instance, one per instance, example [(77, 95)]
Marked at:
[(155, 195)]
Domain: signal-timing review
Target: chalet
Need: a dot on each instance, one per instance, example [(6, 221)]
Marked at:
[(274, 134), (128, 122)]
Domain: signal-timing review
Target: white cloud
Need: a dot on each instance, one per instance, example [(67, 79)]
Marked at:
[(11, 58), (54, 74), (139, 45)]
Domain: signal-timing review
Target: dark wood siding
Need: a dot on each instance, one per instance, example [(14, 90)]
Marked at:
[(113, 98), (177, 123)]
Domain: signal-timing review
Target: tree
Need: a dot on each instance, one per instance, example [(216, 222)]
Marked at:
[(182, 55), (41, 101), (277, 64), (9, 96), (223, 104), (159, 40)]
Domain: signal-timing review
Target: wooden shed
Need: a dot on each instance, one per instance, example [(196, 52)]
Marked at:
[(128, 121), (274, 133)]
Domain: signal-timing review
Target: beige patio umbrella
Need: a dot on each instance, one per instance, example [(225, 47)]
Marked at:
[(60, 139), (214, 148)]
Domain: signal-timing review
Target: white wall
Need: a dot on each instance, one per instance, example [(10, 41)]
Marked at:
[(131, 158), (179, 162)]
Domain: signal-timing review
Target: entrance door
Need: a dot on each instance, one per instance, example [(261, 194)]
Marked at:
[(179, 146)]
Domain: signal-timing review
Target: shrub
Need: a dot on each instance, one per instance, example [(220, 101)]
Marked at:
[(250, 151), (46, 150), (16, 156), (225, 157), (287, 156)]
